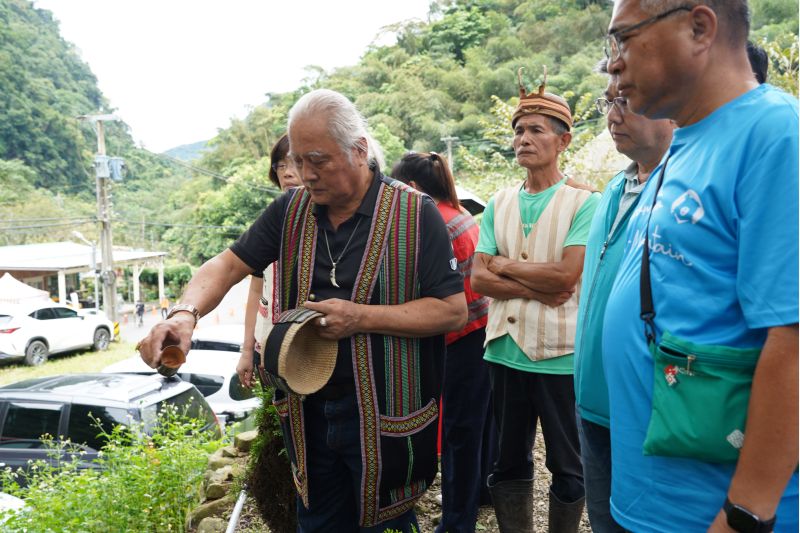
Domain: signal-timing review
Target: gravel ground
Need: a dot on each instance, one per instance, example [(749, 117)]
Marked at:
[(429, 511)]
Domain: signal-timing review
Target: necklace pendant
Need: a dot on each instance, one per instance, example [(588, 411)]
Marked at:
[(333, 276)]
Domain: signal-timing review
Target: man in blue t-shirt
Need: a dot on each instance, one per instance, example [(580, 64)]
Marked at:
[(722, 243), (645, 141)]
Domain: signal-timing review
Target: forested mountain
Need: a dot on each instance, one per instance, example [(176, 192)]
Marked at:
[(188, 152), (47, 184), (452, 75)]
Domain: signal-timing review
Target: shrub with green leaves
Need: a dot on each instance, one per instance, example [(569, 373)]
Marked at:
[(141, 483)]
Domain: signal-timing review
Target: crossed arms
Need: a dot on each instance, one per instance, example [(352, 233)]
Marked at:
[(550, 283)]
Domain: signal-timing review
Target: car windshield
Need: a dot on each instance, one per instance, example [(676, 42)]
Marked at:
[(207, 384)]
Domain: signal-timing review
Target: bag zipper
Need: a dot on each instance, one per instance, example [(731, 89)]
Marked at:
[(714, 359)]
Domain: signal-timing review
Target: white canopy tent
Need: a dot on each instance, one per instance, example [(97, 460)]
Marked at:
[(13, 291)]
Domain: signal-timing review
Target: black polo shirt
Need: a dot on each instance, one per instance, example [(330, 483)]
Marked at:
[(259, 246)]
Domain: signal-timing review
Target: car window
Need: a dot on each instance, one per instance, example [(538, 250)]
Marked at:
[(219, 346), (84, 419), (207, 384), (189, 403), (43, 314), (237, 391), (63, 312), (5, 319), (30, 421)]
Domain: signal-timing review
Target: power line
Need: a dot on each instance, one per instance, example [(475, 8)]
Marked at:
[(211, 173), (177, 225), (39, 219), (53, 225)]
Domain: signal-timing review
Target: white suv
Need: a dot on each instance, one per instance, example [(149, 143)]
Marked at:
[(34, 331)]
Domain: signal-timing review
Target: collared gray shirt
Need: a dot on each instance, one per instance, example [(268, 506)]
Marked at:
[(629, 194)]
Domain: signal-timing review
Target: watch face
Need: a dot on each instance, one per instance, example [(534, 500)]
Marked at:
[(742, 520)]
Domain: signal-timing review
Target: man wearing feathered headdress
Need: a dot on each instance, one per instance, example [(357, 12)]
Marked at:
[(529, 260)]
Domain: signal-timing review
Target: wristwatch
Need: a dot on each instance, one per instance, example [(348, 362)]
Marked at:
[(185, 307), (744, 521)]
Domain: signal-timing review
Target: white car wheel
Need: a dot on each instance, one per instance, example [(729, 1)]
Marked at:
[(102, 338), (36, 353)]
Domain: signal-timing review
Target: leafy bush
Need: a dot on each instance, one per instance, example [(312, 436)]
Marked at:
[(142, 483)]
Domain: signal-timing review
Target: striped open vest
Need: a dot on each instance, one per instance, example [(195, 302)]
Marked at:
[(540, 331)]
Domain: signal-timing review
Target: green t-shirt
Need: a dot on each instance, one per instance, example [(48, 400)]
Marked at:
[(504, 350)]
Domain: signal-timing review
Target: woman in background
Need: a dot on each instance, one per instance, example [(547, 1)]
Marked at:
[(468, 431), (283, 174)]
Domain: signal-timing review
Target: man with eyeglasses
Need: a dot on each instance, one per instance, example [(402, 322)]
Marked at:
[(644, 141), (373, 257), (718, 228)]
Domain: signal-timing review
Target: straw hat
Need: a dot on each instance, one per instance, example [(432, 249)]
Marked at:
[(296, 358)]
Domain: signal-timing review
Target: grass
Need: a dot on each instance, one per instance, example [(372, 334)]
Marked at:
[(71, 363)]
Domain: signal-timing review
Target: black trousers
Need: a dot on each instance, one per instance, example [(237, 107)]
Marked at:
[(520, 400), (469, 436)]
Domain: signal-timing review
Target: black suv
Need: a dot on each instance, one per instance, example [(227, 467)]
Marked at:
[(60, 406)]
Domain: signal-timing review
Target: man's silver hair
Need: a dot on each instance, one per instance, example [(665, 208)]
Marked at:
[(346, 125), (734, 14)]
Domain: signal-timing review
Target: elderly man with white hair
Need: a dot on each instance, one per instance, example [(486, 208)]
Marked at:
[(373, 256)]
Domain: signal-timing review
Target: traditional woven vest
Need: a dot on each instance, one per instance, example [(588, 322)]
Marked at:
[(540, 331), (397, 389)]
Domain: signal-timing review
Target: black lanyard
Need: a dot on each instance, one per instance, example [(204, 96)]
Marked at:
[(648, 313)]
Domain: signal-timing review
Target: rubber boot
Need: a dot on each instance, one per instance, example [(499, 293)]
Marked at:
[(564, 517), (513, 504)]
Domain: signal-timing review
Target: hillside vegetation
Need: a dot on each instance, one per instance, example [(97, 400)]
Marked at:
[(454, 74)]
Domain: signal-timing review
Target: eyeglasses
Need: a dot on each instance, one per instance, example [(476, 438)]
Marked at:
[(613, 43), (604, 106)]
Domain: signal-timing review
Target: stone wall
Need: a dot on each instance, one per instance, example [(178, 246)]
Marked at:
[(224, 466)]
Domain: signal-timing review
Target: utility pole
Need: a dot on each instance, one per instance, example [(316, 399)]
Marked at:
[(102, 177), (449, 140)]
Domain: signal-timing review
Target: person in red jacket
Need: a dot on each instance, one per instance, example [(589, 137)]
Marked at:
[(468, 431)]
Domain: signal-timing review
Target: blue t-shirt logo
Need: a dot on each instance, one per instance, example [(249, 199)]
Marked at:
[(688, 208)]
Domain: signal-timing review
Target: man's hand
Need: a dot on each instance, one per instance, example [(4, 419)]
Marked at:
[(497, 263), (341, 320), (245, 370), (175, 331), (552, 299)]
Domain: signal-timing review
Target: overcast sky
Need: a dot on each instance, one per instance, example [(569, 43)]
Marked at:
[(177, 70)]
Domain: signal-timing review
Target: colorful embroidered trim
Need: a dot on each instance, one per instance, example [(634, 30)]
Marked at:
[(298, 244), (282, 407), (402, 506), (404, 426), (296, 211), (362, 361)]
